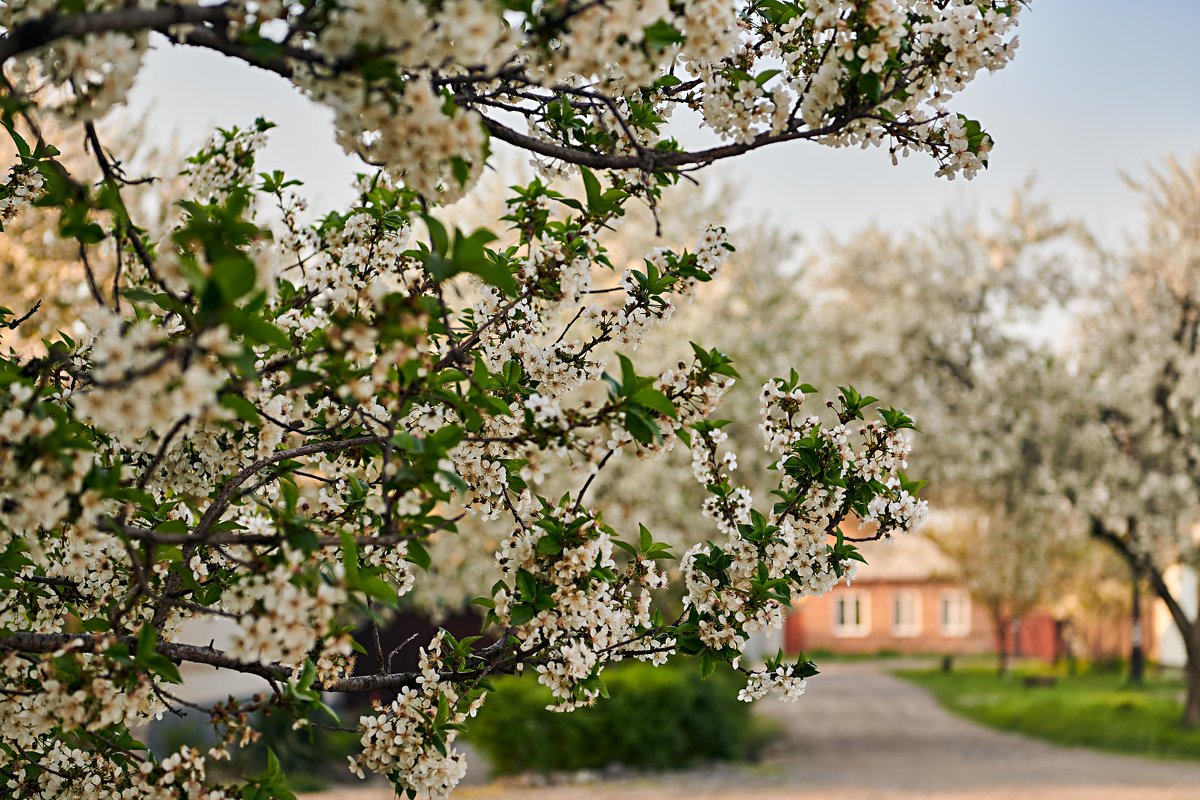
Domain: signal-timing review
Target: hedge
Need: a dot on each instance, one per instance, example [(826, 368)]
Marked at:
[(656, 718)]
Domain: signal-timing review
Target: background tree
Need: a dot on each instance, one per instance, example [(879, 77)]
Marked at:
[(953, 334), (1007, 567), (40, 268), (1134, 468)]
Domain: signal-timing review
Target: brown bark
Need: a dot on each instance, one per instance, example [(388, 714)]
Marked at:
[(1188, 629), (1003, 627), (1191, 703)]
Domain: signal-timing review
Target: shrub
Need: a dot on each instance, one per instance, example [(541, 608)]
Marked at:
[(656, 718)]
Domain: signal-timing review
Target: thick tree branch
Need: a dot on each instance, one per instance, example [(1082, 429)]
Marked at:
[(210, 656), (47, 30), (1142, 566), (650, 159)]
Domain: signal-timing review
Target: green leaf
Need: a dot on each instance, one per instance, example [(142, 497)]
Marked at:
[(654, 399), (870, 85), (259, 331), (145, 641), (163, 667), (349, 557), (239, 405), (629, 382), (417, 554), (22, 146), (662, 35), (640, 427), (378, 589), (234, 275), (438, 237), (591, 185), (549, 545)]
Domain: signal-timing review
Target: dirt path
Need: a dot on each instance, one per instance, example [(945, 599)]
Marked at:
[(862, 734)]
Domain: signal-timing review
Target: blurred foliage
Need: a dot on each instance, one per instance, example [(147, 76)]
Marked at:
[(656, 718), (312, 758)]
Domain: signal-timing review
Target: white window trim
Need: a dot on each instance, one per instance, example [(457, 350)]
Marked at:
[(852, 631), (913, 628), (963, 626)]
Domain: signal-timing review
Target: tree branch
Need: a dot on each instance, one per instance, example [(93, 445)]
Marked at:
[(47, 30), (210, 656), (1142, 566)]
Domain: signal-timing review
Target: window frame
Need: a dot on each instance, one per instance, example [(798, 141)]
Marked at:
[(954, 628), (862, 627), (913, 627)]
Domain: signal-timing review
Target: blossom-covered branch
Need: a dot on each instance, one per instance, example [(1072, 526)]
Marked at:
[(268, 421)]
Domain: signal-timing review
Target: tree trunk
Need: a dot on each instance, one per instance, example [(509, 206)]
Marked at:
[(1137, 653), (1189, 629), (1002, 625), (1191, 705)]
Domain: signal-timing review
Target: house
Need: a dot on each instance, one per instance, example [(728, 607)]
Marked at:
[(905, 601)]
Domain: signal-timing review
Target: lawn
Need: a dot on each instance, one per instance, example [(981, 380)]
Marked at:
[(1097, 709)]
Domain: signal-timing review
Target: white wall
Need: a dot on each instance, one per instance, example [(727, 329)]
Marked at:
[(1183, 583)]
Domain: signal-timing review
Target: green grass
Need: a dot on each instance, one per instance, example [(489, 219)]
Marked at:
[(1095, 709)]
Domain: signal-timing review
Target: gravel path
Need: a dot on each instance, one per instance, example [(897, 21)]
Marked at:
[(862, 734)]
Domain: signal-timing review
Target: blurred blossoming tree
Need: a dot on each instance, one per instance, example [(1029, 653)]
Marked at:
[(1133, 467), (264, 420)]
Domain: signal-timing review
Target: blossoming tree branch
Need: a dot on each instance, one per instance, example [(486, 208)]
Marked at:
[(265, 420)]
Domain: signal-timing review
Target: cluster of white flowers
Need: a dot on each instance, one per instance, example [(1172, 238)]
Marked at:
[(93, 702), (792, 541), (609, 41), (167, 392), (68, 773), (469, 32), (36, 702), (394, 558), (277, 618), (629, 323), (81, 79), (226, 161), (760, 683), (362, 264), (864, 42), (424, 144), (778, 410), (566, 583), (398, 741), (546, 410), (34, 494), (760, 72), (25, 185)]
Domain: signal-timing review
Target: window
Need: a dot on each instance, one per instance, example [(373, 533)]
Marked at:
[(906, 613), (956, 613), (851, 614)]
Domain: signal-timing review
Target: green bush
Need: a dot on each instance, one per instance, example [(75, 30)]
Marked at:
[(655, 718)]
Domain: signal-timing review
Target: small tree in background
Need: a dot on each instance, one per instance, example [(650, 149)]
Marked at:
[(1010, 566)]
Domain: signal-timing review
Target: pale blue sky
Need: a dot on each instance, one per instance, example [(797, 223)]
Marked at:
[(1098, 87)]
